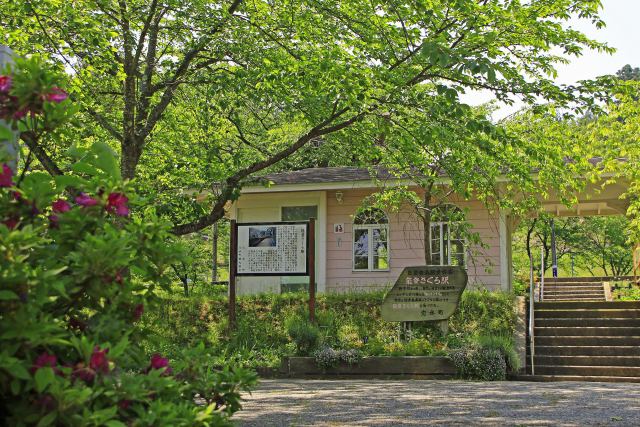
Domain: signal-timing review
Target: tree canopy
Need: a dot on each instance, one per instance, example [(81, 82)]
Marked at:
[(200, 92)]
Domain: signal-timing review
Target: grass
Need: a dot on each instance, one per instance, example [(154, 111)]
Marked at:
[(344, 321)]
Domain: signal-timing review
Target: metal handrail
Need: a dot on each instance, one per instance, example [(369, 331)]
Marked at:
[(531, 320), (542, 274)]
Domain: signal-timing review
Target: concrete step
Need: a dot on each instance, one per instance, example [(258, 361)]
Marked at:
[(604, 322), (587, 360), (573, 297), (562, 287), (587, 292), (581, 305), (568, 297), (590, 331), (585, 350), (576, 279), (587, 313), (587, 340), (609, 371), (550, 378)]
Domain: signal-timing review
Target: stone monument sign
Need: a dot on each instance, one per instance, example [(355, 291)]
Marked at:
[(425, 293)]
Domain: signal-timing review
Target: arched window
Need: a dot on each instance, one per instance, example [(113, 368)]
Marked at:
[(447, 241), (370, 240)]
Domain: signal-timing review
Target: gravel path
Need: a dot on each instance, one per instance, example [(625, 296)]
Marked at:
[(458, 403)]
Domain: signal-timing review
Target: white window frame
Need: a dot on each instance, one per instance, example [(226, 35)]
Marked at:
[(370, 254), (440, 225)]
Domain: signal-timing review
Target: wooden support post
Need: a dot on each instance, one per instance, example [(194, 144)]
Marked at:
[(311, 253), (214, 253), (233, 259)]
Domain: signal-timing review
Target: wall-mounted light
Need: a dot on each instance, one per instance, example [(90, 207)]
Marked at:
[(339, 197)]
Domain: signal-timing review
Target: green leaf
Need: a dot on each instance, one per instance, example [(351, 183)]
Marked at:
[(115, 423), (64, 181), (119, 348), (19, 371), (44, 376), (8, 295), (6, 134), (47, 419), (15, 387)]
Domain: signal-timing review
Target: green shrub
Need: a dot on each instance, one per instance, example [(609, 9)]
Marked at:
[(419, 347), (304, 334), (349, 336), (344, 321), (505, 346), (328, 357), (81, 263), (482, 312), (477, 363)]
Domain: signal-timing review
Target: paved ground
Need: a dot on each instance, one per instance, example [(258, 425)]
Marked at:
[(458, 403)]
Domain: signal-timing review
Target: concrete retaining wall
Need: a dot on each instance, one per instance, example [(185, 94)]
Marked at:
[(412, 366)]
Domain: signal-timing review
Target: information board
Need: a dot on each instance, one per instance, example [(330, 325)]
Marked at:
[(272, 249), (424, 293)]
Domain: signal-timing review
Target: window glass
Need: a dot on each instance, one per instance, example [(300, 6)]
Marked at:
[(299, 213), (447, 244), (371, 240)]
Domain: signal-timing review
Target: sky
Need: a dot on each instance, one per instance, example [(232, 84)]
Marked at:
[(621, 32)]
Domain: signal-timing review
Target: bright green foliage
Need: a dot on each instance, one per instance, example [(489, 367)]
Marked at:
[(504, 344), (480, 363), (485, 313), (77, 272), (614, 137), (596, 246), (304, 334), (73, 287), (486, 358), (199, 92), (345, 321)]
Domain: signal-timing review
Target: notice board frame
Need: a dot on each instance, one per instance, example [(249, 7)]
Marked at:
[(234, 230), (310, 267)]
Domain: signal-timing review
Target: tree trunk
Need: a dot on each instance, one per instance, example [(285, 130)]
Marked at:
[(426, 223), (214, 253), (131, 152)]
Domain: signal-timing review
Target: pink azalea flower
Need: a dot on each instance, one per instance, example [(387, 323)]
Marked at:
[(11, 223), (117, 203), (138, 311), (6, 176), (85, 200), (46, 402), (56, 95), (159, 362), (53, 221), (43, 360), (85, 374), (5, 83), (99, 361), (20, 113), (61, 206)]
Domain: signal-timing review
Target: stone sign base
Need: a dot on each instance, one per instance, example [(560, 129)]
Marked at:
[(423, 367)]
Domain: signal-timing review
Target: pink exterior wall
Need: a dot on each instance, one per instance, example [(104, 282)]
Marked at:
[(405, 245)]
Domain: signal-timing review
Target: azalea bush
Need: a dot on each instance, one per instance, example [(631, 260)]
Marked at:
[(78, 272)]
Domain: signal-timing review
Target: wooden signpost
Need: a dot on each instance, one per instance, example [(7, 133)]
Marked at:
[(425, 293), (272, 249)]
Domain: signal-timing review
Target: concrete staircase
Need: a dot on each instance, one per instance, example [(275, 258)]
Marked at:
[(576, 289), (586, 340)]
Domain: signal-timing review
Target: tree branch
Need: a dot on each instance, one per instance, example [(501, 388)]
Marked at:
[(31, 140)]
